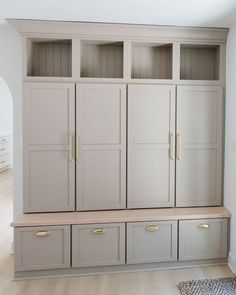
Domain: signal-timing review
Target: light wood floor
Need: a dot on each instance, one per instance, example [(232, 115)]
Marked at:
[(148, 283)]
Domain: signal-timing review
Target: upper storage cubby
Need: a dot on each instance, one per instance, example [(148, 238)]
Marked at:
[(199, 62), (101, 59), (49, 58), (151, 61)]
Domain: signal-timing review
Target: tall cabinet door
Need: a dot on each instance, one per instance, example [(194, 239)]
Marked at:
[(151, 129), (199, 146), (101, 146), (49, 169)]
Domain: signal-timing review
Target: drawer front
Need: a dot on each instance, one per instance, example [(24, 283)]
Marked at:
[(4, 148), (42, 248), (98, 244), (3, 139), (151, 242), (4, 161), (202, 239)]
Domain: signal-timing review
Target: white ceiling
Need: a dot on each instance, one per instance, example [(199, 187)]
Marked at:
[(218, 13)]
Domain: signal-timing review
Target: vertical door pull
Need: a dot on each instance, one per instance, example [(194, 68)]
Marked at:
[(70, 149), (78, 147), (178, 146), (172, 147)]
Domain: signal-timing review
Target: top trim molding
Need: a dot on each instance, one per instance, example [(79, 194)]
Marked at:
[(36, 28)]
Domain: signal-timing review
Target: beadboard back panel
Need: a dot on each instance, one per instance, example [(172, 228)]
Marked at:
[(101, 60), (199, 62), (150, 61), (50, 58)]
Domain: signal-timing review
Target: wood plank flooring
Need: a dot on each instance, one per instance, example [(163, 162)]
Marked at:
[(140, 283)]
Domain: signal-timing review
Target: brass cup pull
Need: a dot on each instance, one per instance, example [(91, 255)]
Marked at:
[(152, 228), (203, 226), (42, 234), (99, 231)]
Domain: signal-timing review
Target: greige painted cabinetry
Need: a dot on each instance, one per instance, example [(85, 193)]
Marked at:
[(98, 244), (199, 141), (101, 146), (202, 239), (116, 117), (49, 169), (151, 241), (151, 143), (45, 247)]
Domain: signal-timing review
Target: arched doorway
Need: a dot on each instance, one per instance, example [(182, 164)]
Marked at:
[(6, 125), (6, 160)]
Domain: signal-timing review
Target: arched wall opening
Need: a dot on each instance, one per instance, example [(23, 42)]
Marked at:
[(6, 116)]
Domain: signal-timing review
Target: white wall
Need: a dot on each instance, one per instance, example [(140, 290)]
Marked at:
[(230, 140), (11, 72), (6, 114)]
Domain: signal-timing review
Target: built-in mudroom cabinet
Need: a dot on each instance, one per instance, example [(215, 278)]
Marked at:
[(123, 136)]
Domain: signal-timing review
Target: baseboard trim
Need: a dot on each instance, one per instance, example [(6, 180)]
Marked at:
[(232, 263), (88, 271)]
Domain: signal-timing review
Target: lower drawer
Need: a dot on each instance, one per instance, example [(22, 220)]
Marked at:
[(4, 148), (151, 242), (42, 247), (4, 161), (98, 244), (202, 239)]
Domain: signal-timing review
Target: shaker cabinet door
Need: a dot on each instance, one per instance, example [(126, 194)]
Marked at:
[(101, 146), (151, 128), (199, 146), (49, 120)]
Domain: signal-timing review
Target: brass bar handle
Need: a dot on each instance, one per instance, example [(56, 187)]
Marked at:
[(97, 231), (152, 228), (172, 147), (178, 146), (70, 149), (78, 147), (42, 234), (203, 226)]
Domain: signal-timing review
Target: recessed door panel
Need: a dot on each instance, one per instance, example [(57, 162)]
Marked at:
[(151, 130), (199, 146), (101, 146), (49, 128)]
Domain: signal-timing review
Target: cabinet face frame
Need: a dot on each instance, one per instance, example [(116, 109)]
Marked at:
[(50, 147), (117, 148)]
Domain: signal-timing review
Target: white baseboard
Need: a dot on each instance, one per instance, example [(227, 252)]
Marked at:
[(232, 262)]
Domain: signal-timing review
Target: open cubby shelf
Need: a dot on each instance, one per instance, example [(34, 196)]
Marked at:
[(151, 61), (199, 62), (49, 58), (105, 59), (101, 59)]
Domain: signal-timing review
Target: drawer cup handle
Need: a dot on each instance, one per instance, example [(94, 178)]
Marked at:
[(203, 226), (152, 228), (42, 234), (99, 231)]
